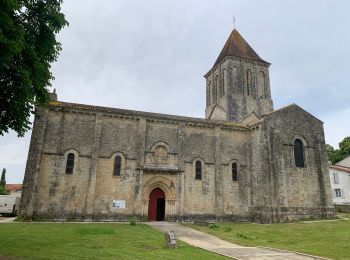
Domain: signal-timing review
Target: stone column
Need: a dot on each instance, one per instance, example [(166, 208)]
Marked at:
[(95, 150), (141, 146), (322, 171), (272, 175), (218, 177), (273, 171), (54, 177), (29, 194), (283, 175), (180, 162)]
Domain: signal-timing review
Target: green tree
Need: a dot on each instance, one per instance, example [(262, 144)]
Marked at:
[(344, 147), (28, 45), (336, 155), (3, 182)]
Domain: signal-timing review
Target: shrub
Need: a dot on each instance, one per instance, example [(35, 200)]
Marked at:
[(213, 225), (132, 221)]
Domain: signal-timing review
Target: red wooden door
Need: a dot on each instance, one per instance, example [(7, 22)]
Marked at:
[(155, 197)]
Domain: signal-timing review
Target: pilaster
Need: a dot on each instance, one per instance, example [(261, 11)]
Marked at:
[(95, 150), (218, 178), (29, 195), (181, 166), (141, 147)]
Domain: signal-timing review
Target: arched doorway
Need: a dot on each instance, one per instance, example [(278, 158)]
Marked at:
[(156, 205)]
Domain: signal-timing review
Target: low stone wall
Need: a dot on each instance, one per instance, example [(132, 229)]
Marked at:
[(68, 216), (262, 215), (342, 208), (266, 215), (206, 218)]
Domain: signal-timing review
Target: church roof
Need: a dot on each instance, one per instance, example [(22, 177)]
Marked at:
[(150, 115), (238, 47), (13, 187), (340, 168), (291, 106)]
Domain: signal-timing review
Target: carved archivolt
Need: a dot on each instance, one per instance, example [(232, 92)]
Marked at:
[(298, 136), (159, 182)]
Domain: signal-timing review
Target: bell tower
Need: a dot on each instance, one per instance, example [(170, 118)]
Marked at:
[(238, 83)]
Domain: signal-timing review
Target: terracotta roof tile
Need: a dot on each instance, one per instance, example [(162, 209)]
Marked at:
[(125, 112), (238, 47), (13, 187), (340, 168)]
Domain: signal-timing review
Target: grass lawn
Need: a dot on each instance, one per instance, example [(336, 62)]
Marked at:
[(90, 241), (329, 239), (344, 215)]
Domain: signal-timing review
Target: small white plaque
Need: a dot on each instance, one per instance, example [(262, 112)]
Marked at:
[(119, 204)]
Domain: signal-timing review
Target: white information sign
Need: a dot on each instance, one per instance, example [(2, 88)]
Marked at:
[(119, 204)]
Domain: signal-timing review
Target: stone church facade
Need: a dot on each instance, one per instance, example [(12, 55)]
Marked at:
[(244, 161)]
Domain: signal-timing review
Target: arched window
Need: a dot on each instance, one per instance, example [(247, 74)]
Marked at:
[(117, 166), (299, 153), (70, 163), (249, 81), (234, 171), (198, 170)]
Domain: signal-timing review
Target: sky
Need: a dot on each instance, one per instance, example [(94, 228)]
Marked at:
[(152, 55)]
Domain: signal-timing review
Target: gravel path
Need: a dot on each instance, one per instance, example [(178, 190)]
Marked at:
[(219, 246)]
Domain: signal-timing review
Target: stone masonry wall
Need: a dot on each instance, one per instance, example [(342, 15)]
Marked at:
[(90, 190), (227, 94), (269, 186), (284, 191)]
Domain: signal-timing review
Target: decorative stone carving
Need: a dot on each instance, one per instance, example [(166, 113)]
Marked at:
[(161, 155)]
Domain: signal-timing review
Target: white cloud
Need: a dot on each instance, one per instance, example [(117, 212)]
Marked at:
[(152, 55), (13, 156), (337, 126)]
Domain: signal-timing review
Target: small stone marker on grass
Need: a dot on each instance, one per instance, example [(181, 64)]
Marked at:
[(170, 239)]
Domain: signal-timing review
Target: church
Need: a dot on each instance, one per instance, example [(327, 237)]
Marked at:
[(243, 161)]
